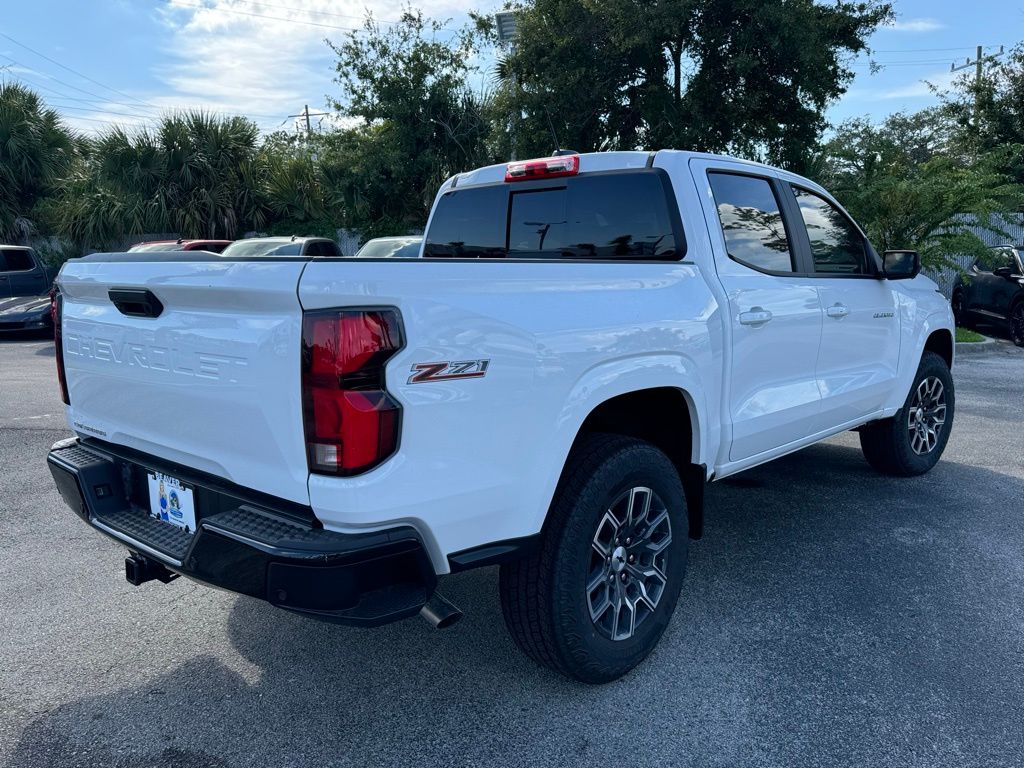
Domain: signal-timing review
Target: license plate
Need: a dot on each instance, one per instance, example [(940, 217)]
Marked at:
[(171, 500)]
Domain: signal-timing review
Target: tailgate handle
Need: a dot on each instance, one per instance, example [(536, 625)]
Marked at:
[(135, 302)]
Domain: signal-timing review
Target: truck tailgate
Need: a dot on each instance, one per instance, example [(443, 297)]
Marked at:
[(212, 382)]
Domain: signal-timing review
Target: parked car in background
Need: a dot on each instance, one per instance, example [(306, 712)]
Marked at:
[(24, 290), (213, 246), (255, 247), (993, 291), (391, 248)]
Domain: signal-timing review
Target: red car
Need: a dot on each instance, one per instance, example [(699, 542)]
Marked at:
[(213, 246)]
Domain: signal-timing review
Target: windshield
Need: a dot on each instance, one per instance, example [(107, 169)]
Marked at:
[(261, 247), (391, 247), (144, 247)]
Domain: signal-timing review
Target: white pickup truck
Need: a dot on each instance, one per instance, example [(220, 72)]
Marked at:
[(584, 342)]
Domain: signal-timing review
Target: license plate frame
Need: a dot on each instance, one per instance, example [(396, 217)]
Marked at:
[(171, 501)]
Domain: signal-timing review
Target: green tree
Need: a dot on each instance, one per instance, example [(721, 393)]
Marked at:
[(750, 77), (36, 151), (906, 184), (988, 115), (415, 119)]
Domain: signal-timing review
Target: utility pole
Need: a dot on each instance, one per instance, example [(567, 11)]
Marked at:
[(307, 114), (980, 59)]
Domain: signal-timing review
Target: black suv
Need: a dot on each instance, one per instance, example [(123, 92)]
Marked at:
[(993, 291)]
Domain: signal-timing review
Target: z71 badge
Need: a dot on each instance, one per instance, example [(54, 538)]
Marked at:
[(446, 371)]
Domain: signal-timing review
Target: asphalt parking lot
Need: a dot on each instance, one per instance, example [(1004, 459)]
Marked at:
[(830, 616)]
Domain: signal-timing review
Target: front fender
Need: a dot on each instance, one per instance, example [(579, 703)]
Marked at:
[(920, 322)]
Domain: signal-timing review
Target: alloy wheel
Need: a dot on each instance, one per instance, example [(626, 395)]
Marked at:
[(628, 563), (927, 415)]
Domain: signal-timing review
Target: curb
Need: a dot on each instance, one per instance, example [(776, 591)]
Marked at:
[(976, 347)]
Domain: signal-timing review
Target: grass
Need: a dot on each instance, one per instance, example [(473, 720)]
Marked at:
[(963, 335)]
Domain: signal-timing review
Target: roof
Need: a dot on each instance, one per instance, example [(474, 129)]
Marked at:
[(598, 161), (184, 240), (276, 239)]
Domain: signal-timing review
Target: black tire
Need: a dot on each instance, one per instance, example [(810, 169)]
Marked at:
[(891, 446), (545, 598), (1017, 324)]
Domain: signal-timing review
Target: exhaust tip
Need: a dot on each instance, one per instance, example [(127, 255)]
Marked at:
[(439, 612)]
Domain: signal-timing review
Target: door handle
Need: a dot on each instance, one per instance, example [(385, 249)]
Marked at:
[(838, 311), (756, 316)]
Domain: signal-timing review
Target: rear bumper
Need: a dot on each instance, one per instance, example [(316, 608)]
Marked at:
[(248, 544)]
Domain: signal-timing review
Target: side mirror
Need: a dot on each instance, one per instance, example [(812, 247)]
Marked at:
[(901, 265), (1003, 272)]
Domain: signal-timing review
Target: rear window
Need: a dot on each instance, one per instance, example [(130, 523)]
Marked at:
[(257, 247), (620, 215), (148, 247)]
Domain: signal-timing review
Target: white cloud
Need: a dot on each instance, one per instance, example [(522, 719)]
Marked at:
[(264, 59), (916, 25)]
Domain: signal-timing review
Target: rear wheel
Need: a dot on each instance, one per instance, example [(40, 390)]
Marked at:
[(596, 596), (911, 442), (1017, 324)]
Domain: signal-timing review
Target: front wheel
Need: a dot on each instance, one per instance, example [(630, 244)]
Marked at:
[(911, 442), (1017, 324), (596, 596)]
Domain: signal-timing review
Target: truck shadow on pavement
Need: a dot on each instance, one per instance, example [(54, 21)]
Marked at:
[(830, 615)]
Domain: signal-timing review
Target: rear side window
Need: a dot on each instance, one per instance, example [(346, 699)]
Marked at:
[(469, 223), (837, 246), (598, 216), (16, 261), (751, 219)]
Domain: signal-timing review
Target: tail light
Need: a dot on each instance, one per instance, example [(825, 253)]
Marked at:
[(545, 168), (351, 421), (56, 312)]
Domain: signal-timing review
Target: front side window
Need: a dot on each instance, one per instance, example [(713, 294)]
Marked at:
[(996, 258), (755, 232), (837, 245)]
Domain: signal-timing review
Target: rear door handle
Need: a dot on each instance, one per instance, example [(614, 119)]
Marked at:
[(756, 316), (838, 311)]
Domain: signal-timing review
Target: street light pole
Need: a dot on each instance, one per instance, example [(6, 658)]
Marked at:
[(505, 22)]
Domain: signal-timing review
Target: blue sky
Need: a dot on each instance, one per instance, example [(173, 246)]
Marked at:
[(104, 61)]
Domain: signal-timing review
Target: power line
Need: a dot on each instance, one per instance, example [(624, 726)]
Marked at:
[(99, 97), (928, 63), (100, 103), (923, 50), (980, 60), (103, 111), (74, 72)]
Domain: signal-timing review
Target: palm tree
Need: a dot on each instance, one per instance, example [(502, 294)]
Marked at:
[(35, 153), (194, 174)]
